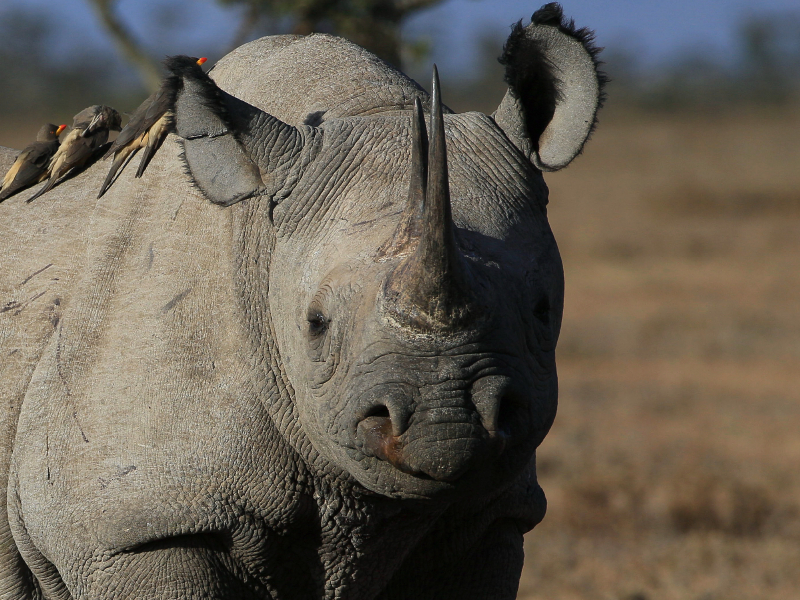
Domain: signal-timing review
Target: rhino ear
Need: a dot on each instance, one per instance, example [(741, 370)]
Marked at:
[(554, 88), (232, 150)]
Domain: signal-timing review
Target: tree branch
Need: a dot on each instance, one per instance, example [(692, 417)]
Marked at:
[(407, 6), (249, 21), (148, 69)]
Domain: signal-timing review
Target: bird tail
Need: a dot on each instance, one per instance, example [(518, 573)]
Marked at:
[(147, 155), (47, 187), (110, 177), (155, 137), (121, 160)]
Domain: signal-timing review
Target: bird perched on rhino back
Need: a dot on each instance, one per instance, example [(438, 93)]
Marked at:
[(31, 164), (151, 122), (90, 129)]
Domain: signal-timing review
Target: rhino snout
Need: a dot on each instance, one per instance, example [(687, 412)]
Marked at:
[(442, 438)]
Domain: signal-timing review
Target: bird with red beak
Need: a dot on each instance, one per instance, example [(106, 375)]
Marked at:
[(150, 123), (30, 167), (90, 129)]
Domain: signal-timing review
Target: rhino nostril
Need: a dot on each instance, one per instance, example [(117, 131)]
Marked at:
[(378, 411), (376, 438), (508, 414)]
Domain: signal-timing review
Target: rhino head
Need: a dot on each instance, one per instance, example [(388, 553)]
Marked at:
[(402, 277)]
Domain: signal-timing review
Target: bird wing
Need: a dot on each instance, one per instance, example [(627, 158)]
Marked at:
[(74, 150), (30, 165), (136, 126), (40, 153), (161, 103), (34, 163), (155, 138), (11, 174)]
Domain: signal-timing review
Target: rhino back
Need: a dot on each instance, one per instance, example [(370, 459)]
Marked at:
[(64, 246)]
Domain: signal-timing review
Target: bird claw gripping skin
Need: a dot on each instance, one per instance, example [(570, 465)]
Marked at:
[(150, 122)]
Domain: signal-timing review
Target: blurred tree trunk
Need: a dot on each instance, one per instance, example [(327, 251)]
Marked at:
[(373, 24), (148, 68)]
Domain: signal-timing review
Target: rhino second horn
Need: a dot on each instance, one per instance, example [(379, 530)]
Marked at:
[(408, 231), (429, 290)]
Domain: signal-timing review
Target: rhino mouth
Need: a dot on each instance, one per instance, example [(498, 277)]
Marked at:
[(448, 439), (437, 460)]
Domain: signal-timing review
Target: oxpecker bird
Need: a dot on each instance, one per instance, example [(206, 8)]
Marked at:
[(90, 129), (151, 122), (31, 164)]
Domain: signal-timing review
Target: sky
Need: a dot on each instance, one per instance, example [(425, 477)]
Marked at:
[(653, 30)]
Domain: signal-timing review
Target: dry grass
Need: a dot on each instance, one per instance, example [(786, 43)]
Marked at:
[(672, 471)]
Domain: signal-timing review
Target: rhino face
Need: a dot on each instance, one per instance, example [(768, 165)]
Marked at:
[(420, 350), (409, 413), (414, 289)]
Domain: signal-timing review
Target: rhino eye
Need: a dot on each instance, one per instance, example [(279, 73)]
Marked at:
[(317, 323)]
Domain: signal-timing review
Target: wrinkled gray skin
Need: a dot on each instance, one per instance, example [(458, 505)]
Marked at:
[(173, 424)]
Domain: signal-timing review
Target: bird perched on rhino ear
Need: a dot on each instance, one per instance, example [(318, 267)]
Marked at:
[(90, 129), (151, 122), (31, 164)]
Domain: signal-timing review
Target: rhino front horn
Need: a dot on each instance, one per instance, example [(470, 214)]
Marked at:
[(428, 290)]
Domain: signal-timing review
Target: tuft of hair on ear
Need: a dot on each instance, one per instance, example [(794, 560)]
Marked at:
[(531, 76), (552, 14)]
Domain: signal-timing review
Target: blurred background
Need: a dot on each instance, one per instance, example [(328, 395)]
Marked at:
[(673, 468)]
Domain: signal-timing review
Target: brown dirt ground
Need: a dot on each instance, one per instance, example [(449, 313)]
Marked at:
[(672, 468)]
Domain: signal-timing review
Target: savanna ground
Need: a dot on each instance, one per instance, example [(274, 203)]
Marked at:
[(673, 468)]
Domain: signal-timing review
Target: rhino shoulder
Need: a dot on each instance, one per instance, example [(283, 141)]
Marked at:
[(41, 245), (40, 254)]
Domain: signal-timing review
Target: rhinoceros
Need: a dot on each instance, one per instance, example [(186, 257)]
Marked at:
[(310, 354)]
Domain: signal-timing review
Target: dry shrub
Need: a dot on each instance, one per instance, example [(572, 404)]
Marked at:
[(734, 508), (715, 332), (624, 502), (607, 335), (676, 485), (602, 506), (691, 199)]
